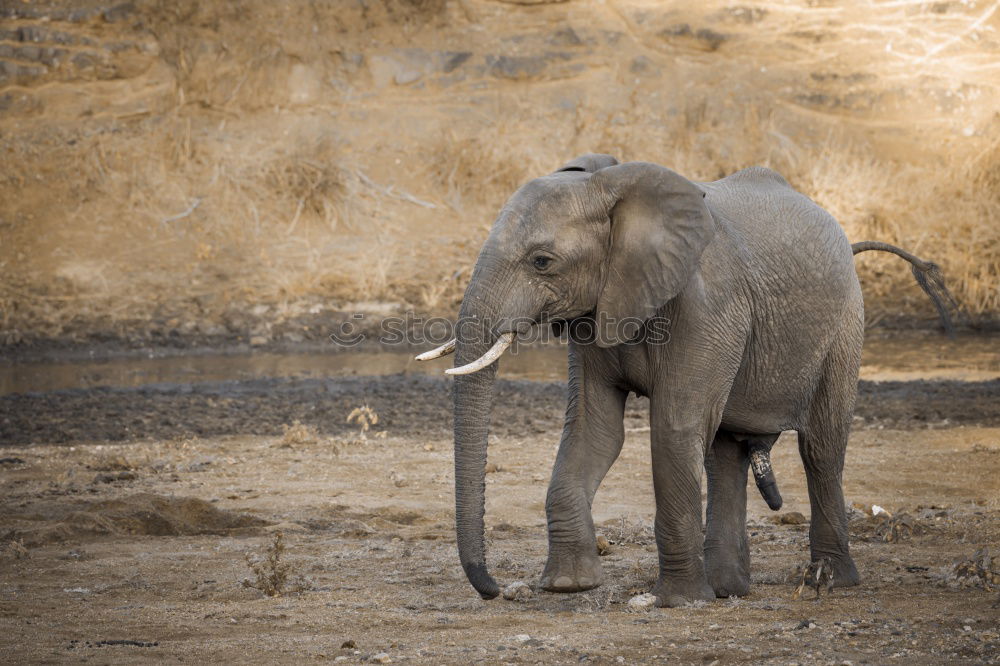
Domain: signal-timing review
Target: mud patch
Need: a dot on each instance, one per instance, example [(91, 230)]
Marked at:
[(142, 514), (410, 405)]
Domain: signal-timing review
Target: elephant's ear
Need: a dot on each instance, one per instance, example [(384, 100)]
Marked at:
[(590, 163), (659, 227)]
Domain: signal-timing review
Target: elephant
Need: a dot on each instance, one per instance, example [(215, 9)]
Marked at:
[(745, 319)]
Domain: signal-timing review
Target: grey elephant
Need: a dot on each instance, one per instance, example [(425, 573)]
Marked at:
[(734, 306)]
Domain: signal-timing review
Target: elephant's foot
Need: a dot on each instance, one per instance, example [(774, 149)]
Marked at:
[(845, 574), (727, 568), (728, 580), (572, 572), (678, 592)]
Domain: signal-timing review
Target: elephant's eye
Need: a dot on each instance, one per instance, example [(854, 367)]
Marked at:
[(541, 262)]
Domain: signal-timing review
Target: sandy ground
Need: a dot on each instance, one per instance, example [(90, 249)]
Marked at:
[(135, 551)]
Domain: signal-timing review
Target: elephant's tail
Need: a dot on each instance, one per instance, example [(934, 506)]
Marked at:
[(928, 276)]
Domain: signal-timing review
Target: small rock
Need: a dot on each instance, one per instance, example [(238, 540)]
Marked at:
[(603, 547), (517, 68), (492, 468), (258, 340), (348, 645), (791, 518), (382, 658), (518, 591), (407, 76), (113, 476), (522, 638), (642, 601)]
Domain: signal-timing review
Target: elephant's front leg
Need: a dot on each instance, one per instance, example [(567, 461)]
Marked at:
[(678, 459), (591, 441)]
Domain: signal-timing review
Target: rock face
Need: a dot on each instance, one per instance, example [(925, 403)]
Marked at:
[(80, 61)]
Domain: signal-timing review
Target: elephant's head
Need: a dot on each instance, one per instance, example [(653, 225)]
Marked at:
[(595, 237)]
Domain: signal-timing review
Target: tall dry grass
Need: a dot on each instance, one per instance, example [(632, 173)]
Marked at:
[(944, 208), (276, 179), (202, 223)]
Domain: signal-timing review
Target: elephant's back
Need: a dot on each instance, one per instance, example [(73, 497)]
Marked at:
[(779, 230)]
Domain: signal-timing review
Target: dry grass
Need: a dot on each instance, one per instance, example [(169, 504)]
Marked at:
[(485, 167), (298, 435), (258, 185), (270, 570), (364, 417)]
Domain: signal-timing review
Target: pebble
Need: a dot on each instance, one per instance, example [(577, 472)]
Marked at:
[(646, 600), (518, 591), (382, 658), (522, 638), (111, 478)]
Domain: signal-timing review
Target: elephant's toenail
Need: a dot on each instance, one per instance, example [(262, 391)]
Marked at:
[(563, 582), (674, 601), (586, 582)]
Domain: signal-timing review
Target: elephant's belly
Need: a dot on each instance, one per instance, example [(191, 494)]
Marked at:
[(739, 416), (773, 397), (786, 358)]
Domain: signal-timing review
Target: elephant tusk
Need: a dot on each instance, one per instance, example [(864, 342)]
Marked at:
[(495, 352), (443, 350)]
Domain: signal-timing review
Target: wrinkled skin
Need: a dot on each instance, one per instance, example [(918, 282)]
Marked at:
[(756, 288)]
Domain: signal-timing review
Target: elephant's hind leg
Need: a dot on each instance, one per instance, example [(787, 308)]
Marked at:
[(822, 446), (727, 555)]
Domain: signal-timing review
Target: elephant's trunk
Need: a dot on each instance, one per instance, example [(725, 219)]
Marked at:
[(473, 396)]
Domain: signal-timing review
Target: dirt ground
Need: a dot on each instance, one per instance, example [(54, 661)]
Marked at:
[(131, 545)]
